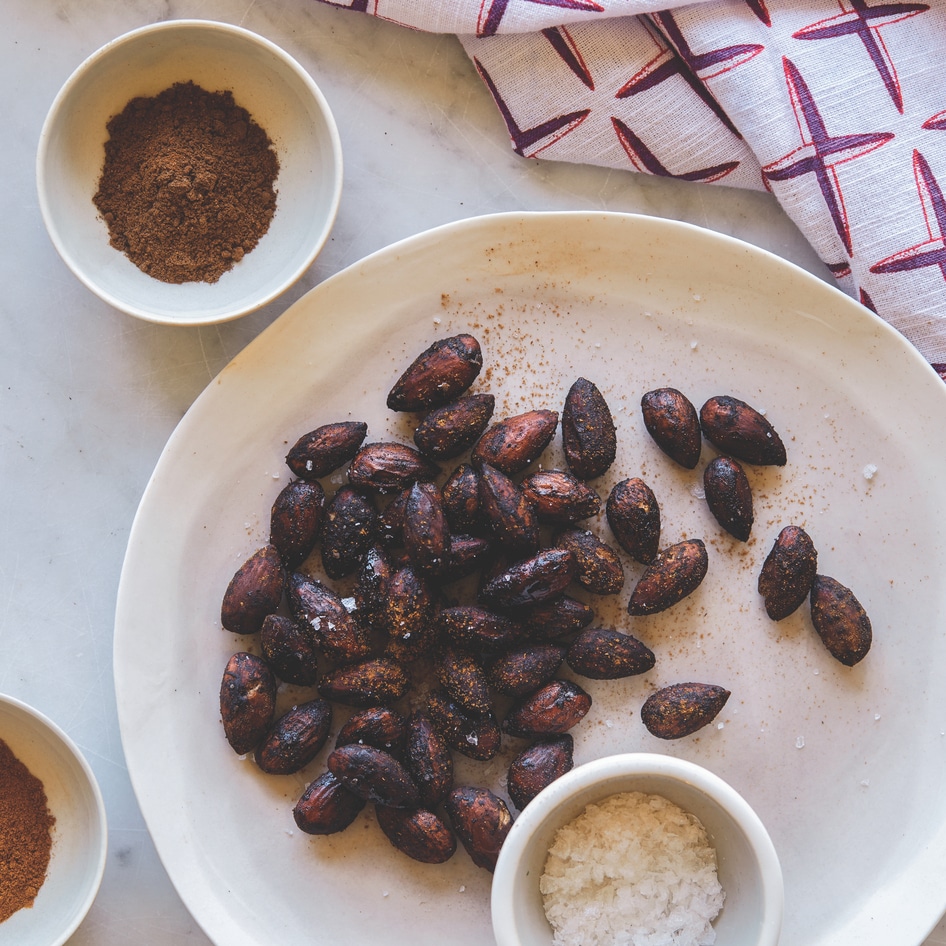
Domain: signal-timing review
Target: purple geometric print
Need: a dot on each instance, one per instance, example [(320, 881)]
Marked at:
[(493, 11), (865, 22), (932, 251), (706, 65), (936, 123), (645, 160), (530, 141), (820, 153), (567, 48), (759, 8)]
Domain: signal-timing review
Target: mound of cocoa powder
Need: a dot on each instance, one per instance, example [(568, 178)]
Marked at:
[(188, 184)]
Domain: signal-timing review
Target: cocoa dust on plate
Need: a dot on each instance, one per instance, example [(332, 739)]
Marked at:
[(188, 184)]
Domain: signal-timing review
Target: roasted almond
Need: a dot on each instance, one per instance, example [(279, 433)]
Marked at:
[(474, 735), (462, 677), (544, 576), (378, 726), (683, 708), (428, 759), (788, 572), (255, 590), (729, 496), (481, 820), (370, 587), (290, 650), (418, 833), (513, 443), (673, 423), (295, 739), (407, 614), (452, 429), (559, 496), (523, 671), (479, 629), (737, 429), (676, 572), (840, 620), (537, 766), (602, 653), (388, 466), (374, 775), (589, 437), (350, 529), (506, 511), (247, 701), (460, 496), (325, 449), (468, 553), (554, 708), (634, 517), (295, 521), (438, 375), (378, 680), (326, 806), (598, 566), (426, 532), (338, 633), (555, 619)]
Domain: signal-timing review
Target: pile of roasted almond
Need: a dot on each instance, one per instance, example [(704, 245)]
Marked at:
[(434, 606)]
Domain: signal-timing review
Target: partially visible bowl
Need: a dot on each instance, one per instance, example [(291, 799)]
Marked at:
[(747, 864), (280, 96), (79, 835)]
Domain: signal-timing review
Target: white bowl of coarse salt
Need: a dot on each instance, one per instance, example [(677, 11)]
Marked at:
[(638, 849)]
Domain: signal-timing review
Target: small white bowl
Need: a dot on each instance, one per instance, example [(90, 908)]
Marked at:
[(79, 836), (280, 96), (748, 866)]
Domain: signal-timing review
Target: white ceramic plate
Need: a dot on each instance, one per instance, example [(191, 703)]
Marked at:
[(844, 766)]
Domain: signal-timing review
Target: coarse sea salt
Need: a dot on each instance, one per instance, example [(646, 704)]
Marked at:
[(633, 870)]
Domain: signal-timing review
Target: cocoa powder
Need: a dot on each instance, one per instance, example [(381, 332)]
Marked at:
[(187, 186), (25, 834)]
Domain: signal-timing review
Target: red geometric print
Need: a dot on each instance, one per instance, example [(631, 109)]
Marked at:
[(567, 49), (493, 11), (820, 153)]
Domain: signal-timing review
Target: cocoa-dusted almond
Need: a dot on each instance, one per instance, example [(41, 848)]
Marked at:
[(407, 614), (559, 496), (634, 517), (735, 428), (460, 496), (603, 653), (426, 532), (788, 572), (350, 529), (378, 726), (452, 429), (290, 650), (554, 708), (537, 766), (508, 514), (681, 709), (840, 620), (467, 554), (391, 519), (254, 591), (437, 375), (295, 520), (464, 679), (673, 423), (539, 578), (370, 587), (388, 466), (676, 572), (589, 437), (325, 449), (474, 735), (295, 739), (479, 629), (555, 619), (374, 775), (524, 670), (729, 496), (418, 833), (326, 806), (338, 633), (599, 568), (481, 820), (247, 701), (513, 443), (428, 759), (378, 680)]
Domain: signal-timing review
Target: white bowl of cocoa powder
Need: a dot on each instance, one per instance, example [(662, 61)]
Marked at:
[(53, 832), (189, 172)]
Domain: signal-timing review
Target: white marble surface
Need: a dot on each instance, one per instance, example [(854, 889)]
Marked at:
[(89, 395)]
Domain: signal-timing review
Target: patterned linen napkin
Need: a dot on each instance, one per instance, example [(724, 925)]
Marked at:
[(838, 107)]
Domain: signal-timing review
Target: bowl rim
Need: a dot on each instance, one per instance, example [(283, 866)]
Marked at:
[(102, 835), (614, 768), (132, 36)]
